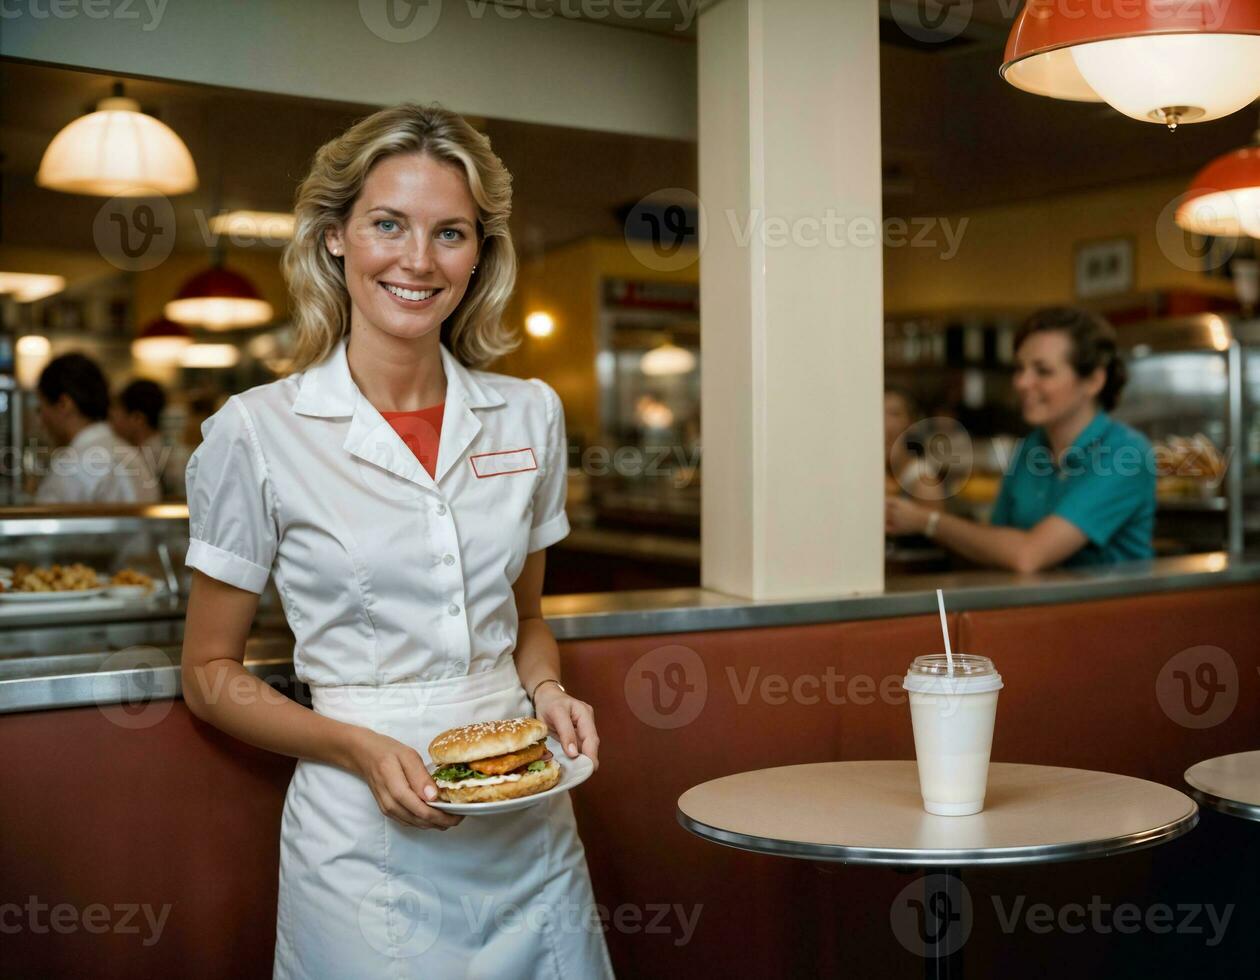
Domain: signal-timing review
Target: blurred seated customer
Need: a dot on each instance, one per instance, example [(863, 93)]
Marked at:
[(91, 465), (907, 473), (136, 416), (1080, 489)]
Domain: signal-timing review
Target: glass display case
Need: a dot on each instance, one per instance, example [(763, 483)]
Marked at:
[(649, 379), (1186, 392)]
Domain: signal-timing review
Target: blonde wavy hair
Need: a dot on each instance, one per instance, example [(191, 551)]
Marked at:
[(474, 332)]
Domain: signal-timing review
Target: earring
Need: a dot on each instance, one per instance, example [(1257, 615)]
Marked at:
[(474, 269)]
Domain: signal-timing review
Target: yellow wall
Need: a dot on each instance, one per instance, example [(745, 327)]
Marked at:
[(565, 282), (1022, 255)]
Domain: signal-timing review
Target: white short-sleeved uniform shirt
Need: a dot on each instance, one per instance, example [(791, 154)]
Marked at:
[(385, 573)]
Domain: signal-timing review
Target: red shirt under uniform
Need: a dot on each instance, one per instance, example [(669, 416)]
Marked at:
[(420, 430)]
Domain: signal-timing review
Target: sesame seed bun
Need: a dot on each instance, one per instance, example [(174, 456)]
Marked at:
[(485, 739), (529, 784)]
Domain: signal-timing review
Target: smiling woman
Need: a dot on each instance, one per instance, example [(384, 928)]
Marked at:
[(1080, 489), (411, 570)]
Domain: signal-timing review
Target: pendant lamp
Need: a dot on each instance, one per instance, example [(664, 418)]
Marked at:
[(219, 299), (1224, 197), (27, 287), (162, 341), (666, 360), (117, 151), (1161, 61)]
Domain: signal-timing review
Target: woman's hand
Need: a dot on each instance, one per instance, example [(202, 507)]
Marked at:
[(902, 516), (570, 720), (399, 781)]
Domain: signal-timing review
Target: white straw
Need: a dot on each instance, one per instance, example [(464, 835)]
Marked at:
[(949, 654)]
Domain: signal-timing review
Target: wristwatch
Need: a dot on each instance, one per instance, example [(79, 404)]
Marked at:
[(545, 680)]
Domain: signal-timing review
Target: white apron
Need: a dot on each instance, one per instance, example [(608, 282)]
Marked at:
[(363, 896)]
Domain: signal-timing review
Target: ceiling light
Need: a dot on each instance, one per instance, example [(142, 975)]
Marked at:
[(1162, 61), (33, 353), (27, 287), (250, 227), (161, 342), (209, 356), (1224, 197), (667, 359), (219, 299), (117, 151), (540, 324)]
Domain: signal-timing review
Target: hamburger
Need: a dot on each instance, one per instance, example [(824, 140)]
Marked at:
[(493, 760)]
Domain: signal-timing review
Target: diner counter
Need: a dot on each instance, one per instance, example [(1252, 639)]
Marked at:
[(139, 672)]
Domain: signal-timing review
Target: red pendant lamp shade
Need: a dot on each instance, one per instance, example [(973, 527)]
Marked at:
[(162, 341), (219, 299), (1165, 61), (1224, 197)]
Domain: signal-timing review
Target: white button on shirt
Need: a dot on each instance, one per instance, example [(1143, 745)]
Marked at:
[(304, 480)]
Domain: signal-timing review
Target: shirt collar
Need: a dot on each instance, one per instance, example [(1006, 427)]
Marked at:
[(1092, 432), (91, 434), (326, 390)]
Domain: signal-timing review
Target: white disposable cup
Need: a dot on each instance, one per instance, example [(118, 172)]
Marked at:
[(953, 715)]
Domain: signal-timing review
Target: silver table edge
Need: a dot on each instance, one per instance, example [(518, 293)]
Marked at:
[(911, 857), (1222, 804)]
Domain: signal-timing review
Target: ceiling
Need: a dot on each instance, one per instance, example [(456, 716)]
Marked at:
[(955, 137), (251, 150)]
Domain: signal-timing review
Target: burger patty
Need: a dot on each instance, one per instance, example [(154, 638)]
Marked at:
[(497, 765)]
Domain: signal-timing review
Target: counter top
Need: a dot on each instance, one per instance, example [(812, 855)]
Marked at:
[(685, 610), (84, 677)]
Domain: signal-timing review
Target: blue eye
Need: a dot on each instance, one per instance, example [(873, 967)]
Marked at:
[(387, 221), (455, 231)]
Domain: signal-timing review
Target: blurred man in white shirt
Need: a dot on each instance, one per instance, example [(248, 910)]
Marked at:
[(91, 465), (136, 415)]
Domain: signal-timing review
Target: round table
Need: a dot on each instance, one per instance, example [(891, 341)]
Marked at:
[(1228, 783), (871, 813)]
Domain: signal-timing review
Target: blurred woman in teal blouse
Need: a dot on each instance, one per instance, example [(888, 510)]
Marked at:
[(1081, 487)]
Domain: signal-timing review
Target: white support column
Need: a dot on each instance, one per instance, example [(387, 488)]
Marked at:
[(791, 278)]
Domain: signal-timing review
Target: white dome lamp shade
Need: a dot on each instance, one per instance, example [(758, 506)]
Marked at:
[(117, 151), (1160, 61)]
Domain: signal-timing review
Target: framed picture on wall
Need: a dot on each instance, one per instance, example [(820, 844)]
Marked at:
[(1103, 267)]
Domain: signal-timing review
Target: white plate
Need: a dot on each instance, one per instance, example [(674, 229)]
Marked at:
[(573, 772), (50, 596), (130, 591)]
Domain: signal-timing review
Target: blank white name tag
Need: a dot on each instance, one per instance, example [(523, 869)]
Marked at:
[(502, 463)]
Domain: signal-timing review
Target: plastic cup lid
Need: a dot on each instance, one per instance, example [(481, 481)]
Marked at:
[(971, 675)]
